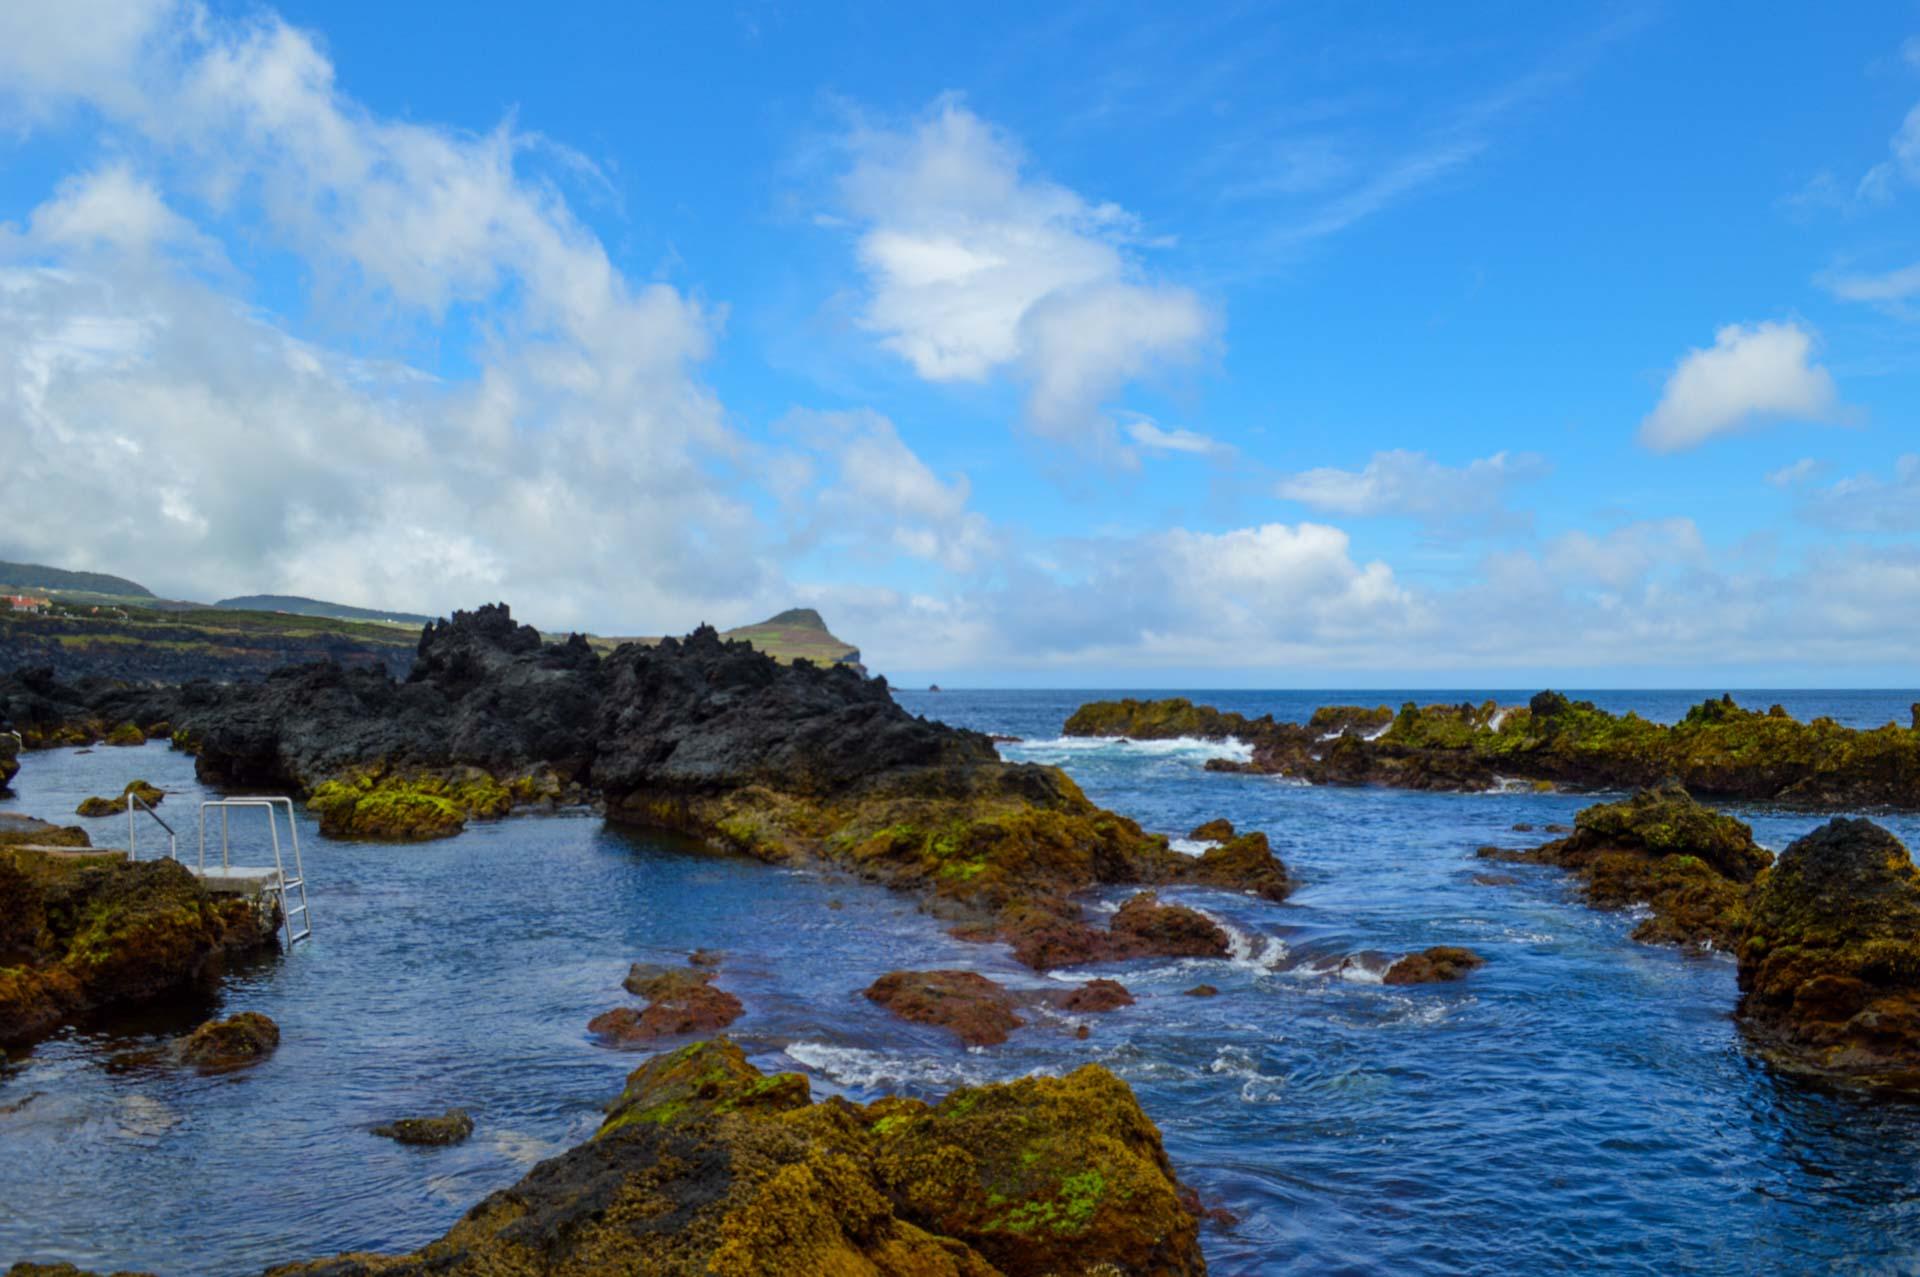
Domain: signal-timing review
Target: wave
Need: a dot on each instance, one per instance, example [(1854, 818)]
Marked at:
[(1190, 846), (881, 1070), (1180, 748)]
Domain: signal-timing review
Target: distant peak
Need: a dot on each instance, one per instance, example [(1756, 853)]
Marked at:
[(798, 616)]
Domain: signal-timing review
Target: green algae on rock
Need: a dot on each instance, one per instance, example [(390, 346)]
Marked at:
[(220, 1046), (1688, 864), (407, 808), (126, 734), (451, 1127), (1434, 965), (1830, 959), (88, 932), (705, 1165), (1718, 749), (151, 795)]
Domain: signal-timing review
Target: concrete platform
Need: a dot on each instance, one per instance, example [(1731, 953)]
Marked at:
[(236, 880)]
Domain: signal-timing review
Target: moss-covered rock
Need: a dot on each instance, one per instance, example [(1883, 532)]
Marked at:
[(9, 759), (126, 734), (112, 932), (1212, 831), (1830, 959), (452, 1127), (151, 795), (1718, 749), (220, 1046), (28, 831), (1689, 865), (412, 807), (704, 1165)]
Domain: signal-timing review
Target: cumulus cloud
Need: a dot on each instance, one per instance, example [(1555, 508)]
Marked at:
[(1413, 485), (976, 268), (1869, 503), (214, 450), (1750, 373), (877, 495)]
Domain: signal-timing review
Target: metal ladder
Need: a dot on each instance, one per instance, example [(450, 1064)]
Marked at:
[(283, 884), (135, 802)]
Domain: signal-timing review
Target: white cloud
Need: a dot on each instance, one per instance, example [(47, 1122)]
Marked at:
[(1795, 473), (879, 496), (1624, 556), (1750, 373), (1414, 485), (111, 208), (574, 470), (1901, 164), (1868, 503), (976, 268), (1889, 286), (1149, 436)]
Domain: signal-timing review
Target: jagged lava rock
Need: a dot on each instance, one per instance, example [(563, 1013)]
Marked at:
[(1830, 960), (680, 1000)]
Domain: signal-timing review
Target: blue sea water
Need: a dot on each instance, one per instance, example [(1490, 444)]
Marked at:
[(1580, 1104)]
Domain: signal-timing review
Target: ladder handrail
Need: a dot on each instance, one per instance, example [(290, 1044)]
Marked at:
[(282, 883), (134, 801)]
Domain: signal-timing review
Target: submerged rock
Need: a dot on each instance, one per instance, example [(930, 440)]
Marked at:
[(1830, 960), (979, 1011), (705, 1165), (1096, 996), (680, 1000), (151, 795), (235, 1042), (1203, 991), (1430, 966), (1688, 864), (452, 1127)]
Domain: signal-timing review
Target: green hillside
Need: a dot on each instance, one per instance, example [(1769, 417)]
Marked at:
[(37, 576), (295, 605)]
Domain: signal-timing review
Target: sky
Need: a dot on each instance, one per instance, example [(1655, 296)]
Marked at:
[(1122, 345)]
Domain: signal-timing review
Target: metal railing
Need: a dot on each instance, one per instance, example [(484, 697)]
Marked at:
[(137, 803), (283, 884)]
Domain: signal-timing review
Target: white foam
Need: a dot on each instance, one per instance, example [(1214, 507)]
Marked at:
[(1190, 846), (1499, 717), (856, 1066), (1377, 732), (1184, 748)]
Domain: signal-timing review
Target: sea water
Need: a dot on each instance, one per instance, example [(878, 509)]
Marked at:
[(1581, 1103)]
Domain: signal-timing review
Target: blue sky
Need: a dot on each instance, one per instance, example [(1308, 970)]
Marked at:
[(1123, 346)]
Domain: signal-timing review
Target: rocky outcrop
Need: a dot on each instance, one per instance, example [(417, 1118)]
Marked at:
[(1830, 959), (1048, 934), (706, 1165), (1440, 963), (452, 1127), (1718, 750), (9, 759), (87, 932), (220, 1046), (1687, 864), (29, 831)]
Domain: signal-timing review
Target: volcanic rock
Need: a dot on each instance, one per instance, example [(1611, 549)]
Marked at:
[(452, 1127), (977, 1010), (235, 1042), (1429, 966), (1830, 959)]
